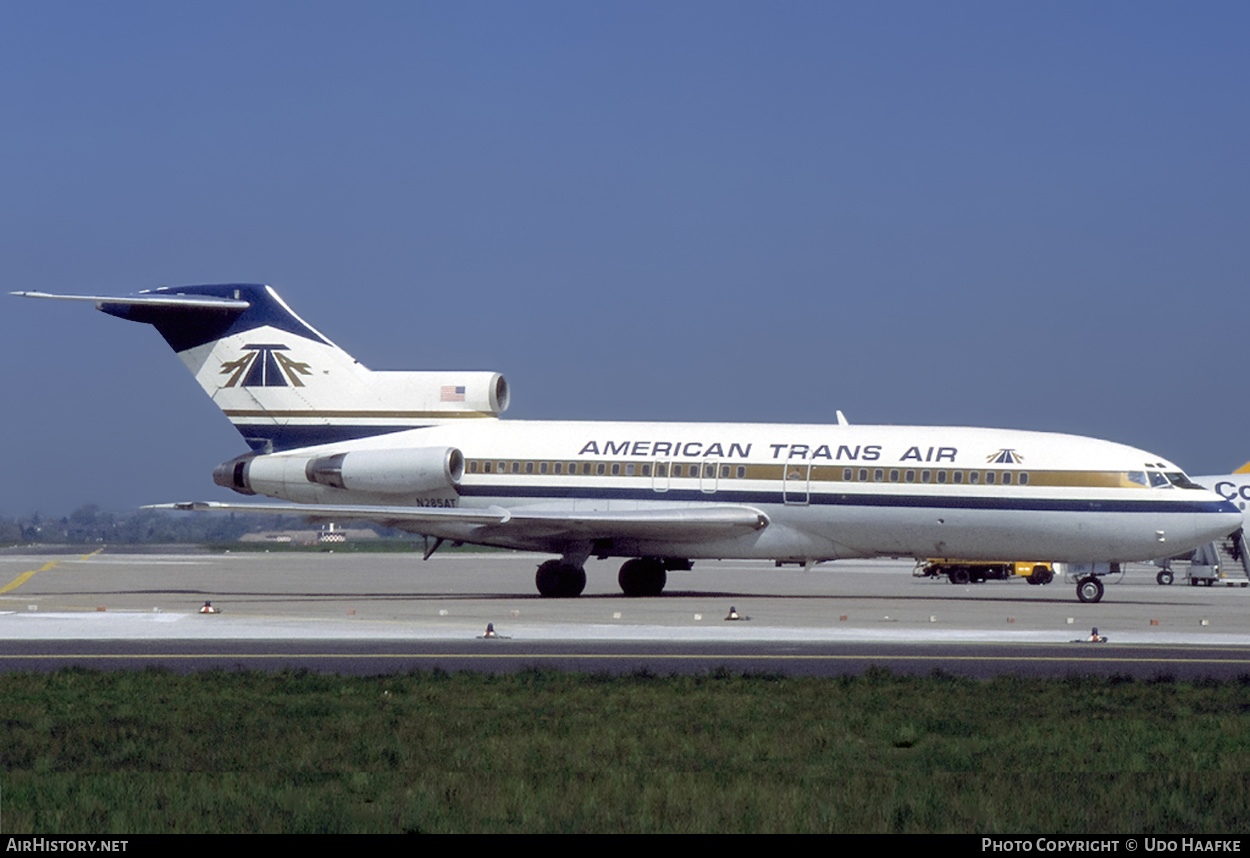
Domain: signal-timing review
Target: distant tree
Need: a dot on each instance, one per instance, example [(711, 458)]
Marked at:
[(10, 532), (84, 517)]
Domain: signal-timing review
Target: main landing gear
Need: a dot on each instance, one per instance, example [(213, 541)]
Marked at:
[(642, 576), (560, 579), (645, 576)]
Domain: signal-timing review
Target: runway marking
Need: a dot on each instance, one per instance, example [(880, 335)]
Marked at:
[(26, 576)]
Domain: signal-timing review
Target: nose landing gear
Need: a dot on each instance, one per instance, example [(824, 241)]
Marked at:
[(1089, 589)]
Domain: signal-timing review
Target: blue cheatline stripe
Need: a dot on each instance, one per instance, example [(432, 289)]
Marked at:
[(278, 439), (847, 500)]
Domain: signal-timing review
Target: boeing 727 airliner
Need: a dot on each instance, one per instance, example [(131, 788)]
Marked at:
[(427, 452)]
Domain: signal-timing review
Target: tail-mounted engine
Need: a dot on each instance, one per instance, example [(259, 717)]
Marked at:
[(416, 471)]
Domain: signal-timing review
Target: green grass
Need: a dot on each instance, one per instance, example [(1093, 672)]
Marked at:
[(88, 752)]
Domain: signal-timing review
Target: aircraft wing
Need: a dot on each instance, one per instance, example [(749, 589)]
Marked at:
[(684, 523)]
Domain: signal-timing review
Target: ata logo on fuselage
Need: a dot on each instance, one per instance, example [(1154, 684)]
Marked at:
[(264, 365), (1005, 457)]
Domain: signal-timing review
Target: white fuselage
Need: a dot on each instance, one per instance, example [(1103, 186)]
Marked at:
[(828, 491)]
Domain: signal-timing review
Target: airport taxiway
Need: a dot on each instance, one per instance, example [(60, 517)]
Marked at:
[(363, 612)]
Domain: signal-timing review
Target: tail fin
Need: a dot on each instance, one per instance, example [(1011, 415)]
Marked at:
[(281, 382)]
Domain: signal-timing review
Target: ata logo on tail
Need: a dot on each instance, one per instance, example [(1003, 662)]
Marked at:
[(264, 366)]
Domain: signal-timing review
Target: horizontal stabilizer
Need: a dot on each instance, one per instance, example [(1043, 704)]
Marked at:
[(190, 302)]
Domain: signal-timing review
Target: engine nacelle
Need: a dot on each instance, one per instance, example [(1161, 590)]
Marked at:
[(438, 392), (389, 472), (415, 471), (233, 474)]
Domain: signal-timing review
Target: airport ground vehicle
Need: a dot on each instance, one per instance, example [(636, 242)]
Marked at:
[(978, 571)]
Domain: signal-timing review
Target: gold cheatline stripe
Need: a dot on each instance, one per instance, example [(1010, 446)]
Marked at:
[(390, 415), (819, 474)]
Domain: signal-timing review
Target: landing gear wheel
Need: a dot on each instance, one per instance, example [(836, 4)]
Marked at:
[(559, 580), (642, 577), (1164, 577), (959, 575), (1089, 590)]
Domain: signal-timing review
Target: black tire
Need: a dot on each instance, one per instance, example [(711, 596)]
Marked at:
[(1089, 590), (642, 576), (1041, 575), (959, 575), (559, 580), (1165, 578), (574, 581)]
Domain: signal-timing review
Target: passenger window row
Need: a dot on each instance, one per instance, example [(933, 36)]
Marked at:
[(616, 469), (914, 475)]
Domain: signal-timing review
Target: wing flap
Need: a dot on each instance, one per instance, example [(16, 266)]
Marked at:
[(684, 523)]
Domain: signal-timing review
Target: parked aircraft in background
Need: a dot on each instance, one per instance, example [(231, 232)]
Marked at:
[(1234, 487), (427, 452)]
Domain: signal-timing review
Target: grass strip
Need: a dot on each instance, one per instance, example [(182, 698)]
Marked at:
[(544, 751)]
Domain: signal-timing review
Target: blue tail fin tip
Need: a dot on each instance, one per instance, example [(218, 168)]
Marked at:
[(189, 327)]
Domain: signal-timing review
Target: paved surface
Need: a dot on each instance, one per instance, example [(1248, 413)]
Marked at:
[(385, 612)]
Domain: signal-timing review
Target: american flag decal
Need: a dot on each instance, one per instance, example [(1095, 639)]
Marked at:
[(451, 393)]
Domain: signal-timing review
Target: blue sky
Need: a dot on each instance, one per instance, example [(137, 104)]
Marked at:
[(1027, 215)]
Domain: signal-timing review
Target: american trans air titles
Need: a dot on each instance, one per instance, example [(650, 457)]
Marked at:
[(338, 441), (739, 450)]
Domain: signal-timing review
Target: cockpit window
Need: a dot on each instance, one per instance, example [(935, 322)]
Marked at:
[(1178, 479), (1138, 477), (1158, 481)]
